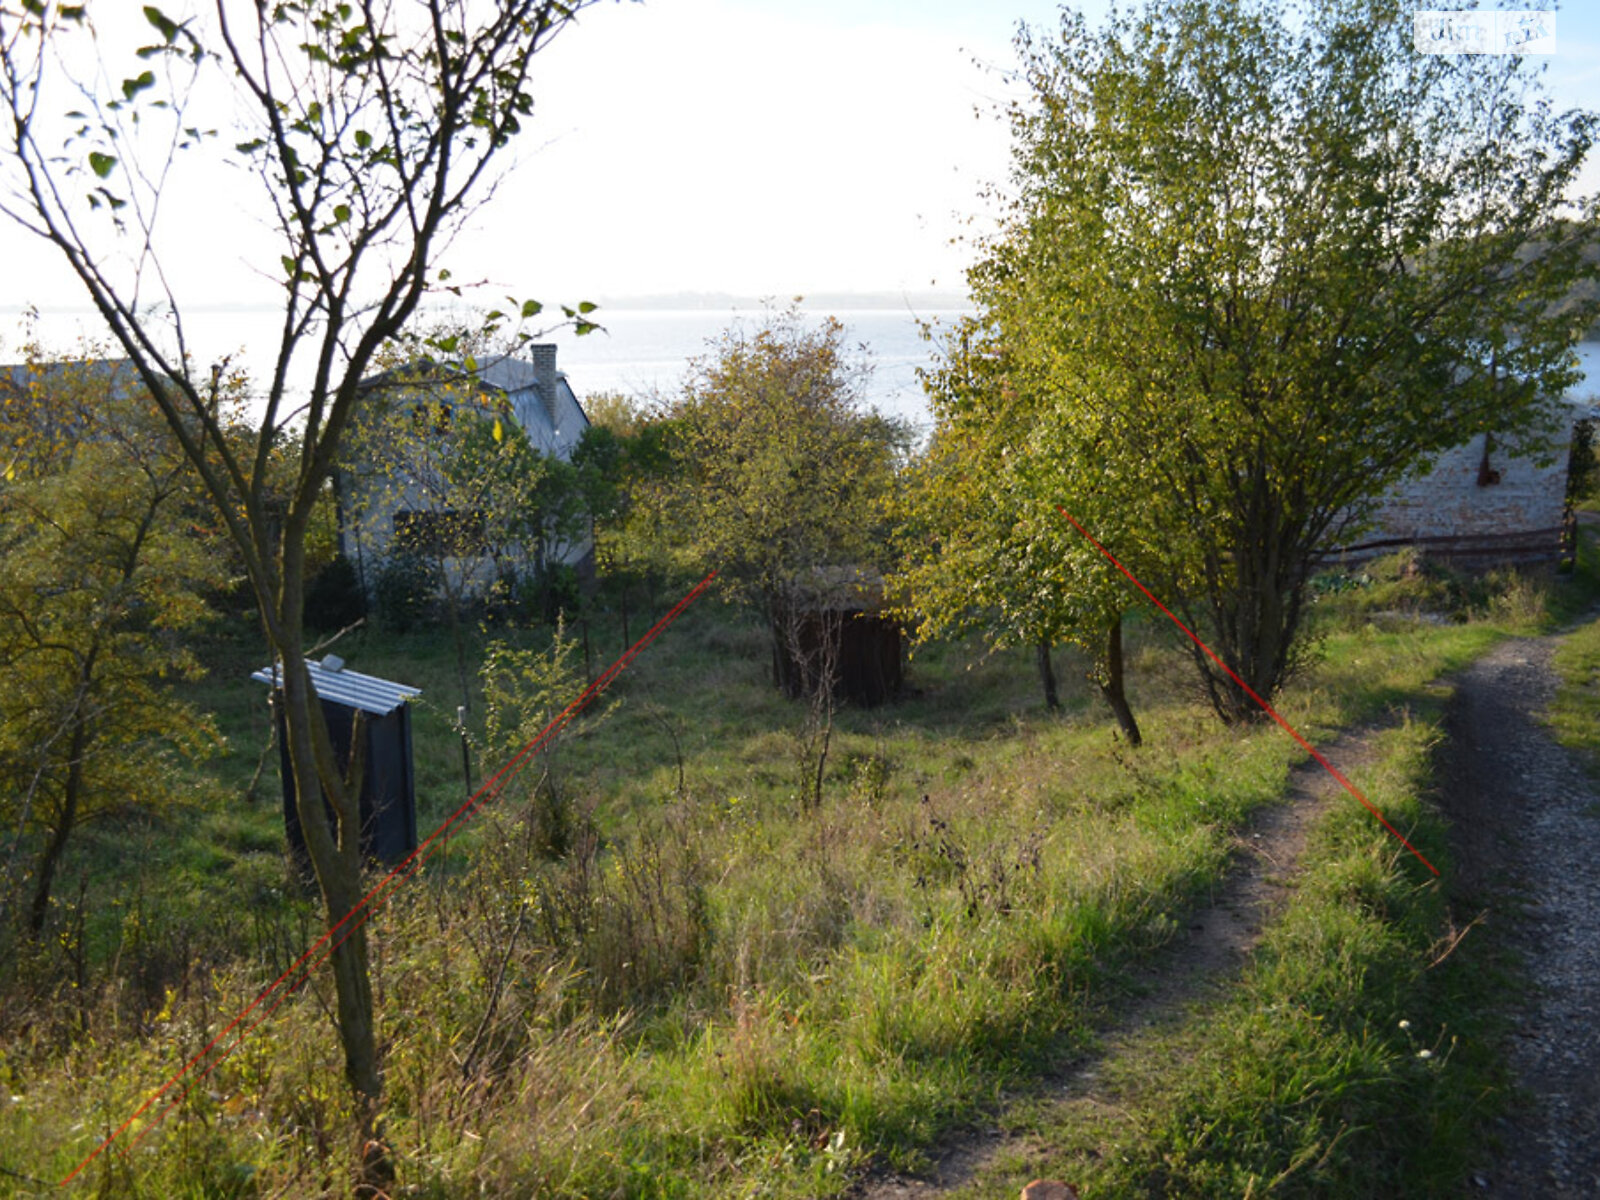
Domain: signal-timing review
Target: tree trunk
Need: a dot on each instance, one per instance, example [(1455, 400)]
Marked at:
[(1254, 601), (458, 638), (1047, 675), (1112, 685), (65, 820), (336, 858), (780, 624), (1256, 640)]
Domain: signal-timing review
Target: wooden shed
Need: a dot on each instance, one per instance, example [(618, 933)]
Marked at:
[(834, 623)]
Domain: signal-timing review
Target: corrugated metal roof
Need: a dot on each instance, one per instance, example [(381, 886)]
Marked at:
[(380, 697)]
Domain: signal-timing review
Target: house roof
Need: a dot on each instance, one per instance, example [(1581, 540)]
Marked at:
[(511, 374), (519, 381), (380, 697)]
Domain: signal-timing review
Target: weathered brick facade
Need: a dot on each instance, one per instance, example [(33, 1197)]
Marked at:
[(1509, 509), (1474, 512)]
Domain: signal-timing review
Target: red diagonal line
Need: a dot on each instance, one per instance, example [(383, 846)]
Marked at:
[(402, 870), (1270, 711)]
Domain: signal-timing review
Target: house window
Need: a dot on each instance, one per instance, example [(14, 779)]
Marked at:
[(432, 416), (440, 534)]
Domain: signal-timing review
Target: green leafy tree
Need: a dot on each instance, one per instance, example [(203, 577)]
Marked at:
[(780, 470), (1269, 267), (100, 567), (367, 133), (982, 553), (624, 463)]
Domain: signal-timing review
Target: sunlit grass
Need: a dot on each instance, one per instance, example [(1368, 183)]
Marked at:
[(721, 991)]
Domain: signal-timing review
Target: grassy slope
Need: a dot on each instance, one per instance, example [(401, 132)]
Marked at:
[(1360, 1054), (735, 995)]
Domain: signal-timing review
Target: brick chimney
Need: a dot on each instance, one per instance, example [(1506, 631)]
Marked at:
[(544, 371)]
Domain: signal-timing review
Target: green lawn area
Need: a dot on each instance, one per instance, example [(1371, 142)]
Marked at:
[(718, 989)]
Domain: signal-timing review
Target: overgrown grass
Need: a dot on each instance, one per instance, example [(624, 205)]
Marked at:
[(717, 990), (1575, 714), (1355, 1058)]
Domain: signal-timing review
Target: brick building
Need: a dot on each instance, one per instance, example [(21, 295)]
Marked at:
[(1486, 501)]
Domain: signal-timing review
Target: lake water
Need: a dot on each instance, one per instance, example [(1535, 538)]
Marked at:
[(645, 352), (641, 352), (1588, 391)]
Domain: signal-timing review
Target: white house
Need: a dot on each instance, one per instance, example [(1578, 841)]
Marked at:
[(390, 493)]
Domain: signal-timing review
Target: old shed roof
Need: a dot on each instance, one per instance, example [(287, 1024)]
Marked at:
[(380, 697)]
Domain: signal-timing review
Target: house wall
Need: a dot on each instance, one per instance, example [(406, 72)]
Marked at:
[(368, 530), (1447, 513), (369, 501)]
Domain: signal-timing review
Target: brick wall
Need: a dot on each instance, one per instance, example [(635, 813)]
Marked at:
[(1447, 512)]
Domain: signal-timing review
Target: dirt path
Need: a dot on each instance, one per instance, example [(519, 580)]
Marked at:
[(1527, 834), (1527, 822), (1220, 937)]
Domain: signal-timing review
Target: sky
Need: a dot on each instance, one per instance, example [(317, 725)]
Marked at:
[(753, 147)]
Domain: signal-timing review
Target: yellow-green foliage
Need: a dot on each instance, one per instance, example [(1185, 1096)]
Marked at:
[(779, 467), (1575, 714), (101, 567)]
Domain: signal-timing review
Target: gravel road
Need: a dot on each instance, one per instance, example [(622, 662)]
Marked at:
[(1528, 826)]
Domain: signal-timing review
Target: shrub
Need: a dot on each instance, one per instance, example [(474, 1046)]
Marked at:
[(334, 598), (559, 583), (523, 691), (536, 594), (405, 591)]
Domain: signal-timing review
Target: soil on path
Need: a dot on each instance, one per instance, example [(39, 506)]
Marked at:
[(1526, 820), (1219, 939), (1527, 825)]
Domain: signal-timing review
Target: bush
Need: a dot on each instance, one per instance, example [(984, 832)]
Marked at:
[(405, 591), (521, 597), (1583, 469), (523, 691), (513, 598), (558, 582), (1406, 583), (334, 599)]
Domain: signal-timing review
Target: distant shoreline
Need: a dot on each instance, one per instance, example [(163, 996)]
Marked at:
[(812, 302), (665, 302)]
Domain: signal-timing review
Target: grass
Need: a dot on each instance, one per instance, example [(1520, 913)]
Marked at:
[(1574, 715), (1355, 1058), (718, 990)]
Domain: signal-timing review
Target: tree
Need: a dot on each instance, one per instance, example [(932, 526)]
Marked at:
[(368, 132), (1271, 267), (99, 567), (980, 549), (623, 463), (780, 470)]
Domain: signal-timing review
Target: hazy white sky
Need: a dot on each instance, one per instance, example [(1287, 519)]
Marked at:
[(761, 147)]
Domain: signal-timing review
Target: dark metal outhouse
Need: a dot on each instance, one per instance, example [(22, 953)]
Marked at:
[(388, 787)]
